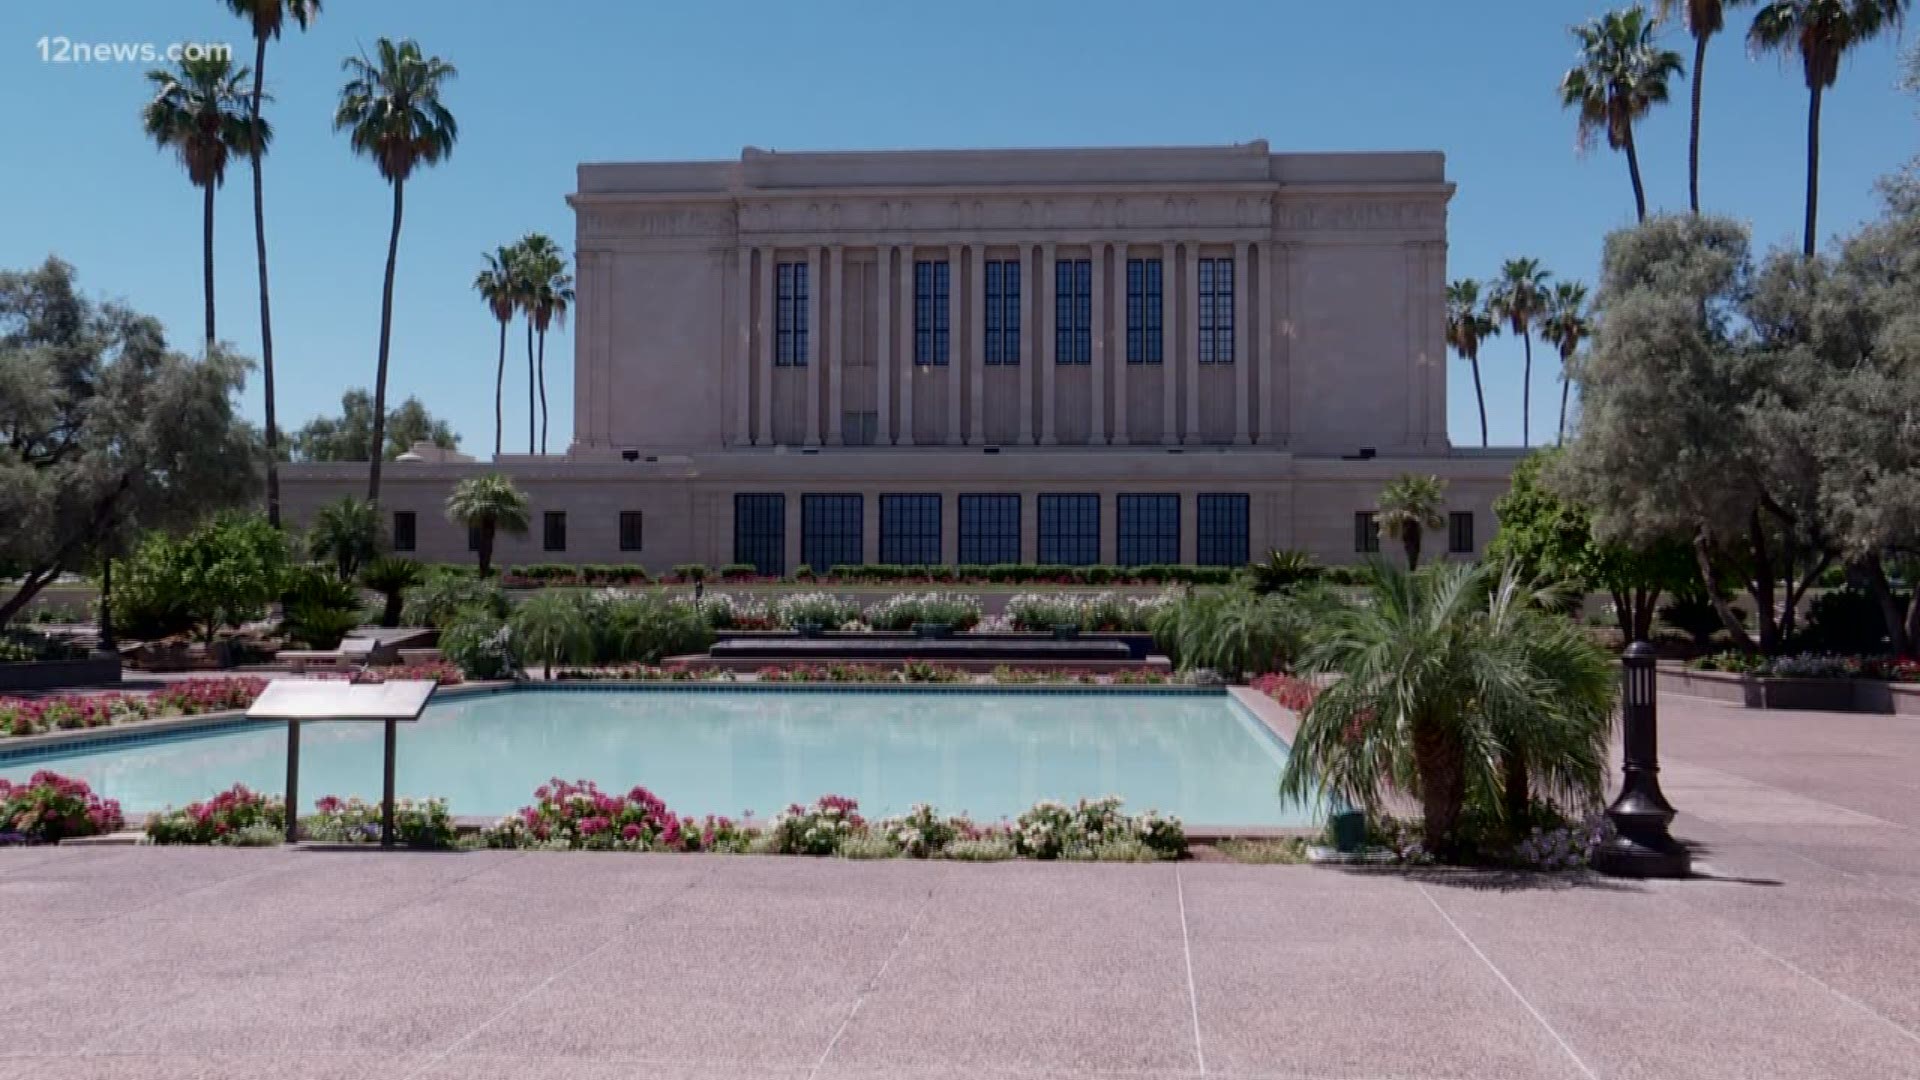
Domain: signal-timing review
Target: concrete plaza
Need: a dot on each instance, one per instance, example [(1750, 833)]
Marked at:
[(1799, 958)]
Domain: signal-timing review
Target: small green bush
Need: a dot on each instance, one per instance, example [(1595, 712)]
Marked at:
[(739, 572), (442, 598), (819, 609), (480, 644), (692, 572)]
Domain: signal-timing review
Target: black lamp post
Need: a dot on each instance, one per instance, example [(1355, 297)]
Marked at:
[(1641, 846)]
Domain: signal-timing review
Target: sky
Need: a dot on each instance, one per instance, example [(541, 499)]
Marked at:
[(543, 87)]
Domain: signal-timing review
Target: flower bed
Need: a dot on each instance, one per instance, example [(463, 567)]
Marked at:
[(32, 716), (443, 672), (1813, 666), (417, 823), (237, 816), (1093, 612), (49, 808), (1290, 692)]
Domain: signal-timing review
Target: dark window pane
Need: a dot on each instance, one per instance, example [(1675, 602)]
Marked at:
[(1070, 529), (553, 531), (830, 531), (910, 530), (1366, 532), (760, 533), (1149, 530), (989, 529), (1222, 530), (1460, 532), (630, 533), (405, 536)]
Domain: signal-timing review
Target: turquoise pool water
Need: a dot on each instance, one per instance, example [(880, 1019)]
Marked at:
[(1201, 756)]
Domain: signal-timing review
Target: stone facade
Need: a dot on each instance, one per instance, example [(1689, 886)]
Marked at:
[(1195, 322)]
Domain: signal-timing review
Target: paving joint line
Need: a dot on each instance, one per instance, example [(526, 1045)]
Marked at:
[(873, 983), (1508, 983), (1186, 947)]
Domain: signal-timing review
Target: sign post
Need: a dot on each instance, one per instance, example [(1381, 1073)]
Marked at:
[(294, 701)]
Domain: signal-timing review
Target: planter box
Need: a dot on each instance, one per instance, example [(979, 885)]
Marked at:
[(53, 674), (1811, 695)]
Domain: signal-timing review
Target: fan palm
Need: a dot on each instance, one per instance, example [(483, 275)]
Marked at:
[(1820, 32), (488, 504), (391, 110), (539, 261), (549, 627), (1439, 673), (497, 285), (197, 112), (1622, 74), (346, 533), (1704, 18), (1468, 324), (1518, 298), (392, 576), (1565, 326), (266, 18), (1410, 505)]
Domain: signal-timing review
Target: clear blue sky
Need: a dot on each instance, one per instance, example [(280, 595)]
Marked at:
[(545, 86)]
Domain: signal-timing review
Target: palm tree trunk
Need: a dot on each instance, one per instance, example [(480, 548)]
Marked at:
[(1693, 140), (529, 386), (1410, 539), (1443, 783), (486, 549), (543, 392), (1633, 171), (266, 315), (499, 385), (206, 262), (1526, 392), (378, 451), (1480, 396), (1514, 790), (1813, 169), (1566, 385)]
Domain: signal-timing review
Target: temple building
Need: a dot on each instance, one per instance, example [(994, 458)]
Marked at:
[(1128, 356)]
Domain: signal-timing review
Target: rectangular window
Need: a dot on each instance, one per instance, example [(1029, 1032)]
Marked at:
[(910, 530), (630, 534), (1216, 311), (790, 330), (405, 535), (553, 530), (1366, 532), (1222, 537), (1460, 532), (929, 314), (1003, 312), (473, 538), (1070, 530), (859, 428), (1149, 530), (989, 529), (1145, 344), (830, 531), (1073, 311), (760, 533)]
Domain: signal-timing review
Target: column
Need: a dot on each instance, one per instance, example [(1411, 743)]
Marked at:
[(1029, 288), (743, 355), (956, 356), (1242, 361), (883, 344), (1192, 342), (1047, 339), (1269, 270), (1171, 339), (1279, 369), (765, 363), (1120, 400), (1097, 421), (812, 371), (836, 360), (909, 367), (977, 397)]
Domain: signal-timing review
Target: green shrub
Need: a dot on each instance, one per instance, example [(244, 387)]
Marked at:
[(1846, 620), (480, 644), (222, 819), (222, 574), (1282, 570), (739, 572), (645, 628), (319, 608), (692, 572), (552, 628), (1233, 631), (985, 849), (1043, 611), (391, 576), (819, 609), (1693, 615), (417, 823), (442, 598), (346, 533), (904, 611)]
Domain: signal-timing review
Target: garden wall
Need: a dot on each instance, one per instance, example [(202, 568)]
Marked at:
[(52, 674), (1816, 695)]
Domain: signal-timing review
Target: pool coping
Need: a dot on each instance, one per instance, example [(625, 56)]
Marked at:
[(1281, 722)]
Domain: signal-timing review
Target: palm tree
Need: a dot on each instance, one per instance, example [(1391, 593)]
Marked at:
[(497, 286), (1622, 75), (1565, 326), (1704, 19), (1442, 684), (1468, 324), (347, 533), (266, 18), (1410, 505), (552, 626), (391, 576), (391, 110), (1518, 298), (196, 112), (1821, 32), (488, 504), (542, 267)]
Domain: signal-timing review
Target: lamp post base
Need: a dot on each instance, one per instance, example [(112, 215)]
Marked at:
[(1659, 856)]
